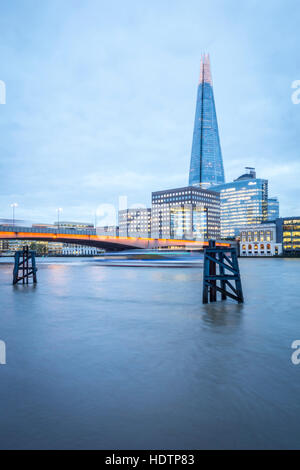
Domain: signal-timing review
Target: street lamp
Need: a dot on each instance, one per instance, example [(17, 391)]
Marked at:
[(13, 206), (59, 210)]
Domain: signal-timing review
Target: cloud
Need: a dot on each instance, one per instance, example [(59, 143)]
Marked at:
[(100, 104), (129, 180)]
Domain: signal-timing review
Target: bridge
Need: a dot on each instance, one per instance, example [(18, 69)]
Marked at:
[(90, 238)]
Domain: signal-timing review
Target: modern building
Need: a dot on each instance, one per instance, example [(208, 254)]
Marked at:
[(288, 231), (243, 202), (206, 167), (260, 240), (273, 208), (190, 212), (135, 222)]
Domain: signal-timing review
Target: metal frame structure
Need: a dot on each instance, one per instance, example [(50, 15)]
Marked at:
[(25, 262), (220, 270)]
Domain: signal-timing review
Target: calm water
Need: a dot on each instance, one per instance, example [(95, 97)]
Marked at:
[(122, 357)]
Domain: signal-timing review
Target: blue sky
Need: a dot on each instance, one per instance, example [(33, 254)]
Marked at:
[(101, 99)]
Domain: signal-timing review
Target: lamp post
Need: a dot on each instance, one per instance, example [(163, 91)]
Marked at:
[(59, 210), (13, 206)]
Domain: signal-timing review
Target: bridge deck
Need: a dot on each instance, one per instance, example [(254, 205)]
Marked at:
[(90, 237)]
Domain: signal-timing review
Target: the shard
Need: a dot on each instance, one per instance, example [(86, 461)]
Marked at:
[(206, 167)]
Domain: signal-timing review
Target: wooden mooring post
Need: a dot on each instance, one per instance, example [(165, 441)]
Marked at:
[(220, 271), (25, 266)]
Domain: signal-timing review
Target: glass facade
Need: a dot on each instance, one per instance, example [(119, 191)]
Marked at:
[(206, 166), (186, 213), (188, 222), (273, 208), (243, 202)]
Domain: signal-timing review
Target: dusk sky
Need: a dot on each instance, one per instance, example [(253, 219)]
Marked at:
[(101, 99)]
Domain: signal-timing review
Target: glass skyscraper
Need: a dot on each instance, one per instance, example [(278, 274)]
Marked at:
[(243, 202), (206, 167), (273, 208)]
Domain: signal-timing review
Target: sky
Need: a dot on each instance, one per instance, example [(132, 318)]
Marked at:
[(100, 99)]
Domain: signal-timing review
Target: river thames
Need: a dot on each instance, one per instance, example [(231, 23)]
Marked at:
[(128, 358)]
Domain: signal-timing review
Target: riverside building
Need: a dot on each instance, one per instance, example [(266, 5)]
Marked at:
[(190, 212), (273, 208), (243, 202), (135, 222), (288, 229), (260, 240)]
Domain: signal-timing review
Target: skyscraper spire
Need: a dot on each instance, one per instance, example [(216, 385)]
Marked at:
[(206, 167), (205, 74)]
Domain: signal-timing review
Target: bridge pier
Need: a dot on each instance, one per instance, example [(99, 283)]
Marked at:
[(25, 266)]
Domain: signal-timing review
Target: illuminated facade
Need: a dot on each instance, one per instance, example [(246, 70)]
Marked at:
[(69, 249), (206, 168), (243, 202), (273, 208), (135, 222), (289, 232), (260, 240), (190, 213)]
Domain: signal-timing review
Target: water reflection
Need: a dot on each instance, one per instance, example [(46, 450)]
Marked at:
[(222, 313), (101, 357)]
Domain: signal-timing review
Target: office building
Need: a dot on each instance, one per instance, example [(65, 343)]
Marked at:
[(288, 230), (190, 212), (260, 240), (273, 208), (135, 222), (243, 202), (206, 167)]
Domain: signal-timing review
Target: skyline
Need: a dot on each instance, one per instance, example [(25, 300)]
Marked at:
[(71, 110)]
